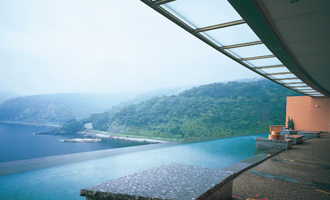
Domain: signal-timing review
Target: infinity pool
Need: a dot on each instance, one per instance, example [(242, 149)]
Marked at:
[(65, 181)]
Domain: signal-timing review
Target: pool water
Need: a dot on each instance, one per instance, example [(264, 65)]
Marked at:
[(65, 181)]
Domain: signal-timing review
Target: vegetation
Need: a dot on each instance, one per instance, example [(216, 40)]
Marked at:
[(212, 110), (57, 108), (60, 108), (72, 126), (290, 124)]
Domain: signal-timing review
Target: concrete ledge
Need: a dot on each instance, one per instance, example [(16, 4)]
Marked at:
[(289, 132), (265, 143), (309, 134), (171, 181), (296, 139)]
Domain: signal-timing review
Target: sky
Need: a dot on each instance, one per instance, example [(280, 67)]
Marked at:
[(101, 46)]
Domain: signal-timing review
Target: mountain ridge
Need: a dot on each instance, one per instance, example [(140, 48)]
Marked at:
[(206, 111), (59, 108)]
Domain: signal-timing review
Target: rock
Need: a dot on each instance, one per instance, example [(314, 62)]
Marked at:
[(83, 140)]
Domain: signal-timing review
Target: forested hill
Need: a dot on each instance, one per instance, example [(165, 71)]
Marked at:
[(151, 94), (206, 111), (57, 108), (4, 95)]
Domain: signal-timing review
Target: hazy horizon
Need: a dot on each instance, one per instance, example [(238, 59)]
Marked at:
[(102, 47)]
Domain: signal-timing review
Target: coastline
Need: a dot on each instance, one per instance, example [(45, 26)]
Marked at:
[(30, 124), (82, 140), (95, 134), (106, 136), (113, 137)]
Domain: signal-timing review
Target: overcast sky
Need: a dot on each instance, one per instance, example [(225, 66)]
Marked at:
[(101, 46)]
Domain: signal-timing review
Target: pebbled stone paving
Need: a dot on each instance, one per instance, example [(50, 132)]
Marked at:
[(170, 181), (300, 173)]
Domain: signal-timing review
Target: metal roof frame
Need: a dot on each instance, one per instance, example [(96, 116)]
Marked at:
[(249, 7)]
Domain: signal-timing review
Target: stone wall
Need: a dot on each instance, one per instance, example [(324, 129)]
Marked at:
[(310, 134), (296, 139), (265, 143)]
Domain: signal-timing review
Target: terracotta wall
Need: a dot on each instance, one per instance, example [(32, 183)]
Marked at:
[(307, 115)]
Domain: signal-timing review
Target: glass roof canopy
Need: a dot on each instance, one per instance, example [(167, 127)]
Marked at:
[(228, 33)]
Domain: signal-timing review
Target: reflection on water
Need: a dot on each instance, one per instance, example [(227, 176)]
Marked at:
[(65, 181)]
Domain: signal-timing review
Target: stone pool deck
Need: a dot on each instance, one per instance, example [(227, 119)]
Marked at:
[(303, 172), (176, 181), (170, 181)]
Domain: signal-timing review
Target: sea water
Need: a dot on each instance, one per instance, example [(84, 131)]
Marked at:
[(65, 181), (19, 143)]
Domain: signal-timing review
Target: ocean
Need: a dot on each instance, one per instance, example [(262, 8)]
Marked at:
[(65, 181), (19, 143)]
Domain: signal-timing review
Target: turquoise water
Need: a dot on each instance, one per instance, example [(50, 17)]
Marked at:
[(65, 181)]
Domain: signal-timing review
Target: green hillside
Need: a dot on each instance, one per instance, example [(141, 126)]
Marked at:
[(212, 110), (57, 108)]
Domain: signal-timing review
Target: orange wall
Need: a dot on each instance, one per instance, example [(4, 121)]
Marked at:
[(305, 114)]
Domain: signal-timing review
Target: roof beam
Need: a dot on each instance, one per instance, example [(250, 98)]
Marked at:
[(301, 86), (282, 79), (209, 28), (279, 73), (257, 57), (241, 45), (270, 66), (295, 83), (160, 2)]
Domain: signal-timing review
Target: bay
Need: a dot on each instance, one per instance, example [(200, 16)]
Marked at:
[(19, 143)]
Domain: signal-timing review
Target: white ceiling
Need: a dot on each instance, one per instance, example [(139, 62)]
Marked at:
[(305, 28)]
